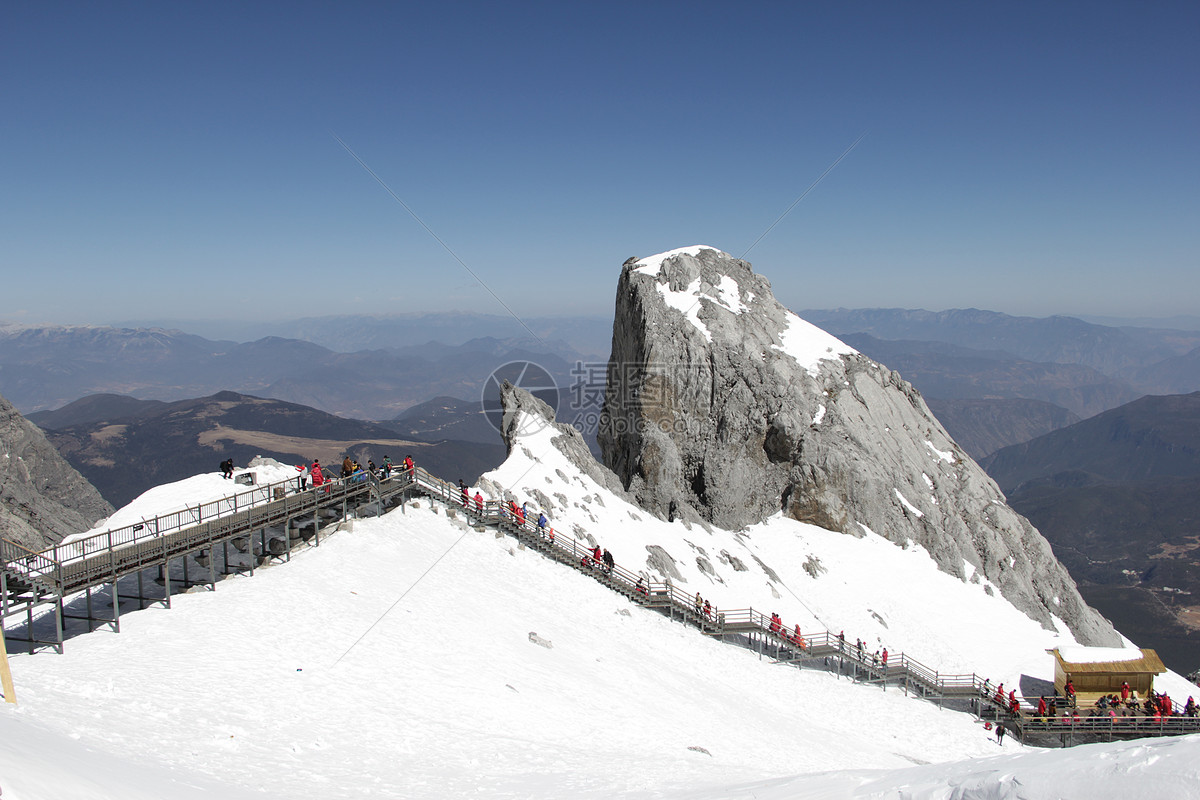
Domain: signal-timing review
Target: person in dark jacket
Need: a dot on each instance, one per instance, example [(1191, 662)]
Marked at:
[(227, 468)]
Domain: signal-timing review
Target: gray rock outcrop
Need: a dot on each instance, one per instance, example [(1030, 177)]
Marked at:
[(525, 414), (42, 497), (723, 404)]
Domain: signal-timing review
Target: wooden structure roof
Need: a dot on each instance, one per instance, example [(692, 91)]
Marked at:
[(1149, 663)]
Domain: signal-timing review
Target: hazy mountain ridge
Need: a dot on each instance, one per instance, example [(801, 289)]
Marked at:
[(982, 427), (954, 372), (46, 368), (125, 455), (1150, 438), (352, 332), (1118, 497), (968, 354), (445, 418), (1057, 339)]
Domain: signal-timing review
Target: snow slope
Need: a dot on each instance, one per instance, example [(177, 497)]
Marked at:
[(396, 660), (888, 596)]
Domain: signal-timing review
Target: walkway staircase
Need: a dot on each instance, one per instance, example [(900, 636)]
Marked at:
[(279, 515)]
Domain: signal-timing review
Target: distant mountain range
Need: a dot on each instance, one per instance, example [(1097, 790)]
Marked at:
[(46, 368), (1118, 497), (124, 447), (965, 360), (588, 335), (970, 365), (985, 426), (953, 372), (1116, 352), (448, 418)]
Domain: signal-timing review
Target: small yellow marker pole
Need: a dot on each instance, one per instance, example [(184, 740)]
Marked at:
[(6, 681)]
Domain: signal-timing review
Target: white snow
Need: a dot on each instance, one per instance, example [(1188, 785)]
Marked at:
[(728, 294), (1094, 655), (820, 415), (396, 660), (944, 455), (809, 345), (803, 341), (650, 265), (916, 512), (204, 488), (686, 302)]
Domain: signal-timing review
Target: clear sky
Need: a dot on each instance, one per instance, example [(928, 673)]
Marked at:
[(179, 160)]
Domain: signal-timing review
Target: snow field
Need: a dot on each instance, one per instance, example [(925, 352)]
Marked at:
[(395, 661), (446, 695)]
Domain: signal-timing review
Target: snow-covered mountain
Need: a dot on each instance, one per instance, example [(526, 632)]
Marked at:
[(396, 660), (412, 655), (723, 405)]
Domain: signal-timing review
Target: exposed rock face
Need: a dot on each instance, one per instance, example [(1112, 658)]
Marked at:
[(721, 403), (524, 414), (42, 497)]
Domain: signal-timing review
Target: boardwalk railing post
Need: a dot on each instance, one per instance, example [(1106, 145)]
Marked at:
[(58, 623)]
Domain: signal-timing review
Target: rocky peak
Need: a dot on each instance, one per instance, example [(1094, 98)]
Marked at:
[(724, 405), (525, 415), (42, 497)]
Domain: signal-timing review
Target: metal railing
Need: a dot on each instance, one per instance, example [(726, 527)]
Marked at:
[(1106, 724), (106, 555)]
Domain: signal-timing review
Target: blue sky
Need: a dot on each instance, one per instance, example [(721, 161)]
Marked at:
[(179, 160)]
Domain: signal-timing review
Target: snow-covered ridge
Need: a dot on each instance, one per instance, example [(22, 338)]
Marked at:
[(810, 345), (725, 293), (651, 264), (803, 341), (327, 630)]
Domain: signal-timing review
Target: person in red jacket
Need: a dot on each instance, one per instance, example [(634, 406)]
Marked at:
[(479, 502), (1041, 707), (1125, 692), (885, 658), (318, 477)]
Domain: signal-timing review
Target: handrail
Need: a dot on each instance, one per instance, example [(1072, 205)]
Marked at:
[(562, 545), (64, 563), (215, 519)]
